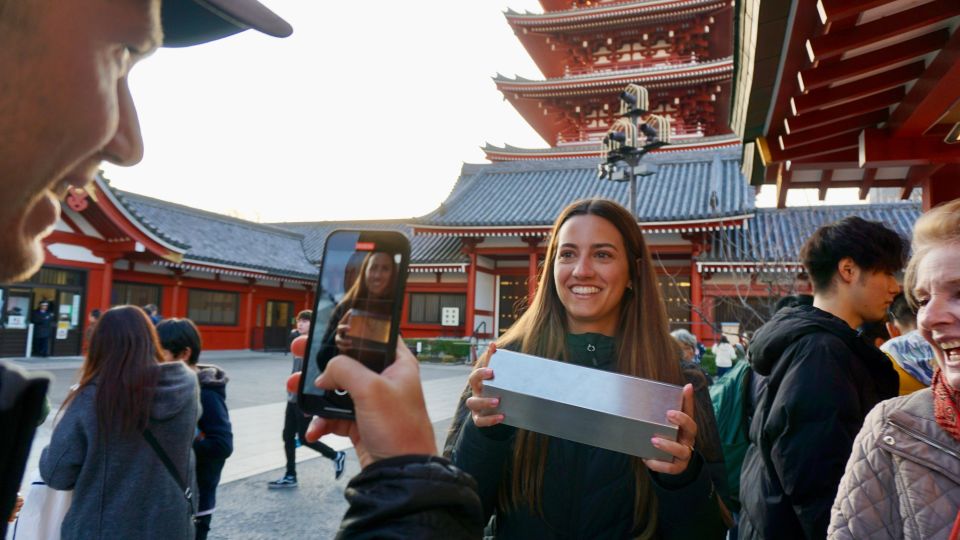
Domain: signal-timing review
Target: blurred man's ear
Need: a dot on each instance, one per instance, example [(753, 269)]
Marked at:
[(893, 330)]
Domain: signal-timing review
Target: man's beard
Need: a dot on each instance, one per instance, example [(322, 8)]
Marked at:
[(20, 257)]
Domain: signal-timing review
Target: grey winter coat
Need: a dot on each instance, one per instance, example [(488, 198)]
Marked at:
[(120, 487), (903, 478)]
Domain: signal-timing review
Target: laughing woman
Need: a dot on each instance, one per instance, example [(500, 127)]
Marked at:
[(903, 478), (598, 305)]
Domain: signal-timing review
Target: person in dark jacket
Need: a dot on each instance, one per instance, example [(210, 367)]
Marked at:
[(295, 423), (42, 319), (213, 444), (598, 305), (820, 381)]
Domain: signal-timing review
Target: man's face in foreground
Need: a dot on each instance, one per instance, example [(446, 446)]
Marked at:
[(64, 108)]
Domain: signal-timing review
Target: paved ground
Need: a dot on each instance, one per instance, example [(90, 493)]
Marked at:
[(255, 396)]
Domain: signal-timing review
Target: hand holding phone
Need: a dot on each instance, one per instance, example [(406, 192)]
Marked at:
[(391, 413), (357, 313)]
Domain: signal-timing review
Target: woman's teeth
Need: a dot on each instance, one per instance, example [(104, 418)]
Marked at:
[(584, 290)]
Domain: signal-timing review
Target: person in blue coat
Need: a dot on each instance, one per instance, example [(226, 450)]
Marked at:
[(213, 443), (598, 305)]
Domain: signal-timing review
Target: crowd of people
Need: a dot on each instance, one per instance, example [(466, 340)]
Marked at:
[(829, 445)]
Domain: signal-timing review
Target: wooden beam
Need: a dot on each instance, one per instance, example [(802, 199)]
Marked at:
[(832, 11), (869, 178), (931, 95), (822, 98), (878, 149), (854, 123), (825, 146), (819, 76), (836, 43), (825, 178), (845, 159), (783, 184), (916, 175), (859, 107)]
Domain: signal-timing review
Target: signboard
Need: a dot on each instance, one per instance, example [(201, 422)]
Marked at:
[(62, 328), (18, 308), (450, 316)]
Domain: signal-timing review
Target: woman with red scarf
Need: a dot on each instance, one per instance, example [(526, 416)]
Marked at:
[(903, 478)]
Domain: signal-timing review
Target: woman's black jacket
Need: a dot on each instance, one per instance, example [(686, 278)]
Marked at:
[(588, 492)]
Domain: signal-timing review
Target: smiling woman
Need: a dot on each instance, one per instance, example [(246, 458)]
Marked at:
[(598, 305), (901, 477)]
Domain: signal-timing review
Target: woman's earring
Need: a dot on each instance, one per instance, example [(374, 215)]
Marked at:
[(629, 285)]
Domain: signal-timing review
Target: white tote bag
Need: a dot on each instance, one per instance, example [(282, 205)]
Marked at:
[(42, 513)]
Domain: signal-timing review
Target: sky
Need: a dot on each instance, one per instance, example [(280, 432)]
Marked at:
[(367, 112)]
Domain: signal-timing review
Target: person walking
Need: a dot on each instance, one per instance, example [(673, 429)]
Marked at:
[(295, 423), (820, 381), (124, 437), (903, 479), (724, 355), (180, 342)]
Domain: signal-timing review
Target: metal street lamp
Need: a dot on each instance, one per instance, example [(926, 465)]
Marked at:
[(622, 149)]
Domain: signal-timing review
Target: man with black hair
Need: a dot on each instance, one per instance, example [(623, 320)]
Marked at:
[(912, 356), (821, 380)]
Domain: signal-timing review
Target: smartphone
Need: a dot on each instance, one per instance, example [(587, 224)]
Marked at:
[(357, 312)]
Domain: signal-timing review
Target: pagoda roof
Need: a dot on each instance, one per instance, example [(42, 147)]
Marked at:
[(217, 240), (592, 149), (612, 15), (691, 191), (662, 76), (774, 236)]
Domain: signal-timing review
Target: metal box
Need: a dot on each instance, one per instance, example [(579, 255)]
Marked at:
[(585, 405)]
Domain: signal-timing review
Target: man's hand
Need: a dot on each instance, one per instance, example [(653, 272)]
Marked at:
[(391, 415)]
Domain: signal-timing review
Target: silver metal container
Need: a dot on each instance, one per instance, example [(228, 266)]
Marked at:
[(585, 405)]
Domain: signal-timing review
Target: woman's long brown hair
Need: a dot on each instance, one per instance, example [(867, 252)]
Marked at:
[(644, 349), (122, 361)]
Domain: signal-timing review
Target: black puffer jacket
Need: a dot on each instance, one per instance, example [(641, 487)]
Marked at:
[(821, 381), (588, 492), (419, 497)]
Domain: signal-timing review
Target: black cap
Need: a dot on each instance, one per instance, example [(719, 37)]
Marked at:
[(189, 22)]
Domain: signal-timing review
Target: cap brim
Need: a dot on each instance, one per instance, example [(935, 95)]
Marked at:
[(190, 22)]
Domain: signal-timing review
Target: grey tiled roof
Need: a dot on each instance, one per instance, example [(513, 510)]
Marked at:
[(776, 235), (423, 249), (695, 185), (220, 239)]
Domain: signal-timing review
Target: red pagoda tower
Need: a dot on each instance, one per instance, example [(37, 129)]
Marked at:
[(589, 50)]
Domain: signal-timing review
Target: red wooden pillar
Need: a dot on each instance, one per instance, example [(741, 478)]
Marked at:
[(307, 304), (532, 242), (696, 294), (248, 325), (469, 245), (106, 286), (175, 301)]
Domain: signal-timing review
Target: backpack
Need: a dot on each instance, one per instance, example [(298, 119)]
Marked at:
[(729, 397)]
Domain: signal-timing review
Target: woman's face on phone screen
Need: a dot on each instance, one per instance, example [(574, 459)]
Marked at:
[(591, 274), (379, 274)]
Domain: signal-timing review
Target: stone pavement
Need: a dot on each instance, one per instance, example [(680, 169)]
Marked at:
[(256, 437)]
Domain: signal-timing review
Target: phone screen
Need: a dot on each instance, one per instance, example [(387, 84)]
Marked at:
[(357, 312)]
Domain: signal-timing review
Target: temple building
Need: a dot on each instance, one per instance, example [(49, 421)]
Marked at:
[(721, 261)]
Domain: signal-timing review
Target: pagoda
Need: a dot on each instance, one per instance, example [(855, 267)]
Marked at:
[(589, 50)]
